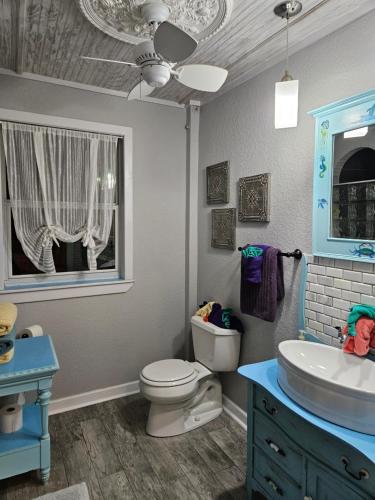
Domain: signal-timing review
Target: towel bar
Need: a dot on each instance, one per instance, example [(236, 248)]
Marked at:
[(297, 254)]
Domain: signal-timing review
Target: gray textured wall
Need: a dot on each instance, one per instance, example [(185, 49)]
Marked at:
[(105, 341), (239, 127)]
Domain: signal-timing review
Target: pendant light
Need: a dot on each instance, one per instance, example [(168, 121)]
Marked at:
[(286, 91)]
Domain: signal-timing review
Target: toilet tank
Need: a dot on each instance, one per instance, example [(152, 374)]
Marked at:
[(216, 348)]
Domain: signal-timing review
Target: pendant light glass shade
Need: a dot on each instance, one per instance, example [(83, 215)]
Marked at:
[(286, 104)]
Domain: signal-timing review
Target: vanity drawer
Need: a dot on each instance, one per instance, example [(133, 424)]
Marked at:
[(274, 410), (344, 459), (270, 439), (333, 452), (273, 479)]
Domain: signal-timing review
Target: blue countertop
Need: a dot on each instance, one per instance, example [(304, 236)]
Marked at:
[(34, 356), (265, 374)]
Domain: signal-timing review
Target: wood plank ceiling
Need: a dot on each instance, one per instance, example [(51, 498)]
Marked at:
[(46, 37)]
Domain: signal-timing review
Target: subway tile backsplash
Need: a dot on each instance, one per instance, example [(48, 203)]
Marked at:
[(333, 287)]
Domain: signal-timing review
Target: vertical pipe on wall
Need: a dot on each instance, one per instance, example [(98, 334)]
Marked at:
[(191, 256)]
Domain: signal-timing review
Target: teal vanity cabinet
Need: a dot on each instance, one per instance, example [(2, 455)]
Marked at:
[(32, 369), (295, 455)]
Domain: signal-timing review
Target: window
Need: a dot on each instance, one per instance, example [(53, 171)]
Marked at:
[(66, 189), (353, 206)]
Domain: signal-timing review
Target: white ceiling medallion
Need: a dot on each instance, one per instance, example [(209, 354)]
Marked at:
[(122, 19)]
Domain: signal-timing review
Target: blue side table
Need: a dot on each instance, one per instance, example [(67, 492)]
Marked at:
[(32, 369)]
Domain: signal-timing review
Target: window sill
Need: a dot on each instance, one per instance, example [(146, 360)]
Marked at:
[(41, 293)]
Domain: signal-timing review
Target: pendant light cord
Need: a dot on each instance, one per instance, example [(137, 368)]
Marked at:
[(287, 43), (287, 76)]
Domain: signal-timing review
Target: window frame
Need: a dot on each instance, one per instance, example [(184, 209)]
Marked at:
[(12, 280), (117, 280)]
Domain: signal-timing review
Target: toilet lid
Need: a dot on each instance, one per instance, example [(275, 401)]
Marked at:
[(168, 370)]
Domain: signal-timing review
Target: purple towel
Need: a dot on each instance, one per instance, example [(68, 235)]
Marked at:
[(260, 299), (253, 263)]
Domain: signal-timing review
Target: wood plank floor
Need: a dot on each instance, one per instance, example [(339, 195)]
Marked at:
[(106, 446)]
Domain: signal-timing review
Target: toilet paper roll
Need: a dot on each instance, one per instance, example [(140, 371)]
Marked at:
[(11, 418), (13, 399), (30, 331)]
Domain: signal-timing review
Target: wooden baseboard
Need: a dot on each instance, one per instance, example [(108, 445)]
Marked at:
[(93, 397), (119, 391), (235, 412)]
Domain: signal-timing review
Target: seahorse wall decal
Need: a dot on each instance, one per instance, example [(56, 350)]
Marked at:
[(324, 131), (322, 166)]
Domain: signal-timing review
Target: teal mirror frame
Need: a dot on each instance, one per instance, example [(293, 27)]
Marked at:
[(354, 112)]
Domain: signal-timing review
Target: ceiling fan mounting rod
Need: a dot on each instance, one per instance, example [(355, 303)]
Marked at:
[(288, 9)]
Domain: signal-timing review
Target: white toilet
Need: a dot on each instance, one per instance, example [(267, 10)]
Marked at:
[(185, 395)]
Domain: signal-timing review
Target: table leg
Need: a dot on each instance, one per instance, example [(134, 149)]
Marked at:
[(44, 475), (44, 396)]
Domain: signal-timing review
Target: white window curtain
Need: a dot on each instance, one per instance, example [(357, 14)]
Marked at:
[(61, 188)]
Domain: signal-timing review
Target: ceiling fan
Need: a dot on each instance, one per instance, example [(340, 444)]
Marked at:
[(158, 56)]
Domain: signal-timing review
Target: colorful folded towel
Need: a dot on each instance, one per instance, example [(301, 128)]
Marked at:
[(236, 324), (356, 312), (205, 309), (8, 316), (361, 343), (219, 316), (252, 261)]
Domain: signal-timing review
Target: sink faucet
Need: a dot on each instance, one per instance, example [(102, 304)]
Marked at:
[(340, 335)]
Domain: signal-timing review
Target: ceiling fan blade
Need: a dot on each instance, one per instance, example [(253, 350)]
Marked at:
[(142, 89), (172, 43), (109, 60), (202, 77)]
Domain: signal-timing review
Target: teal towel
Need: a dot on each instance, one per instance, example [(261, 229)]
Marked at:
[(355, 313)]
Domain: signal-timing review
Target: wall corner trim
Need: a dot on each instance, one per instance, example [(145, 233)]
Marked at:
[(193, 103), (191, 245), (235, 412)]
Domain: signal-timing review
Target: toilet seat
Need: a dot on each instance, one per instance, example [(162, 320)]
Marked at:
[(168, 373), (178, 380)]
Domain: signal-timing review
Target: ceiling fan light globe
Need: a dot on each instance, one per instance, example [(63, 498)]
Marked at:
[(156, 75)]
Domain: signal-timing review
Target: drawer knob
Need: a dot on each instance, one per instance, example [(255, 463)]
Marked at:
[(274, 486), (271, 410), (362, 474), (275, 447)]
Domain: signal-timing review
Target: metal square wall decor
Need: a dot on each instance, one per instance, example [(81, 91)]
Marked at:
[(224, 228), (218, 183), (255, 198)]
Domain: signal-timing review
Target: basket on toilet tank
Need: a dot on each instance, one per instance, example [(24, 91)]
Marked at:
[(216, 348)]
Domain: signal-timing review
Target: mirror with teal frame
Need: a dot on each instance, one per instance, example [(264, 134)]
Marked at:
[(344, 179)]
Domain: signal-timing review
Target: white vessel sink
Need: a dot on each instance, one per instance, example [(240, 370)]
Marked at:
[(324, 380)]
